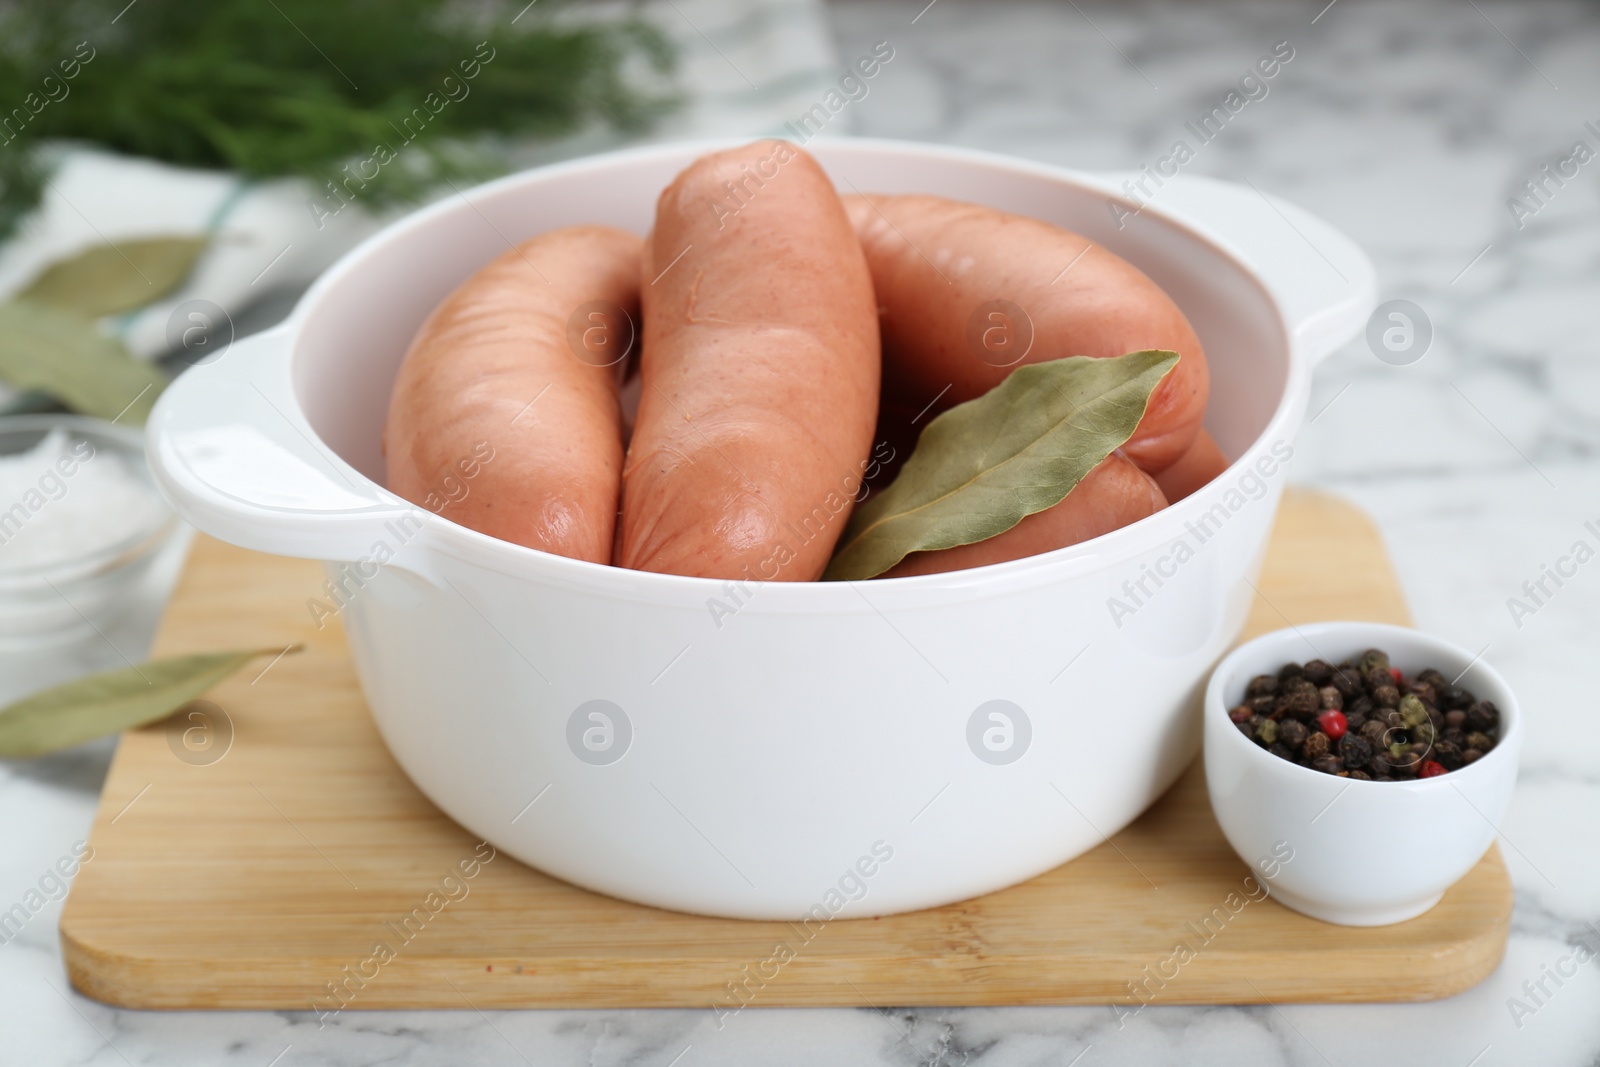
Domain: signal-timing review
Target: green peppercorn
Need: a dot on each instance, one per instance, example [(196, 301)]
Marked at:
[(1373, 659), (1412, 713), (1267, 732)]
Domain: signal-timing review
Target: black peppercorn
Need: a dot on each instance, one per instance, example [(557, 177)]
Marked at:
[(1373, 731), (1424, 692), (1354, 721), (1330, 698), (1293, 732), (1289, 670), (1318, 671), (1354, 750), (1303, 703), (1316, 744), (1448, 755), (1480, 741), (1327, 764), (1361, 776), (1281, 750), (1471, 755), (1347, 680), (1455, 719), (1483, 716), (1360, 705), (1385, 696), (1377, 678), (1262, 685), (1262, 705), (1452, 697)]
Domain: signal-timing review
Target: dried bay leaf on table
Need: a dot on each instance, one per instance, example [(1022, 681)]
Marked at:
[(113, 701), (64, 354), (110, 279), (985, 465)]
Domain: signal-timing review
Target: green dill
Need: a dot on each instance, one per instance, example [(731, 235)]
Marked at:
[(274, 88)]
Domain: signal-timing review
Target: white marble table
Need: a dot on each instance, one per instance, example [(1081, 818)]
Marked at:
[(1407, 125)]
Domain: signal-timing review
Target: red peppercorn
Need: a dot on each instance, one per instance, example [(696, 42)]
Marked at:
[(1394, 672), (1333, 723), (1430, 769)]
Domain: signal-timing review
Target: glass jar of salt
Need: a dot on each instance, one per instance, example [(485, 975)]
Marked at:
[(89, 551)]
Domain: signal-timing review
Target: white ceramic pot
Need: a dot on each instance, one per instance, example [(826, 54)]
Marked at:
[(1358, 853), (769, 751)]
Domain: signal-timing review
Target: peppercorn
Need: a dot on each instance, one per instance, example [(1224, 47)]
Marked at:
[(1303, 703), (1280, 750), (1267, 732), (1453, 697), (1360, 705), (1480, 741), (1430, 769), (1347, 680), (1471, 755), (1454, 719), (1386, 696), (1327, 764), (1483, 716), (1376, 679), (1354, 750), (1293, 732), (1241, 713), (1287, 671), (1333, 723), (1262, 685), (1330, 698), (1316, 744), (1412, 713), (1424, 692), (1361, 776), (1448, 755), (1373, 658), (1374, 732), (1262, 705), (1354, 721), (1318, 671)]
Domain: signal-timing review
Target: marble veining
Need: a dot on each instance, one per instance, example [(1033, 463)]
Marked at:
[(1409, 126)]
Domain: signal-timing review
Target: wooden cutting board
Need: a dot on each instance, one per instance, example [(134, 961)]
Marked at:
[(264, 878)]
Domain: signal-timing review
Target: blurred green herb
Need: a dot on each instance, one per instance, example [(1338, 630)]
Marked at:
[(306, 87), (113, 701)]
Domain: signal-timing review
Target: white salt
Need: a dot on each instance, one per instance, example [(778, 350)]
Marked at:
[(67, 498)]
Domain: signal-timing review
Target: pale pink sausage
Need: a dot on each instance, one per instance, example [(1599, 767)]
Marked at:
[(760, 373), (950, 278), (504, 416)]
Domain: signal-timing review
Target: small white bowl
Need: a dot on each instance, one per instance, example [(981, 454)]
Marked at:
[(1357, 853)]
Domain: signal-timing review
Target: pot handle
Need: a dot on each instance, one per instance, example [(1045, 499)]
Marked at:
[(1322, 279), (228, 446)]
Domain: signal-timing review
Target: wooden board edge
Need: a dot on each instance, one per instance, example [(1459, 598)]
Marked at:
[(430, 983)]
